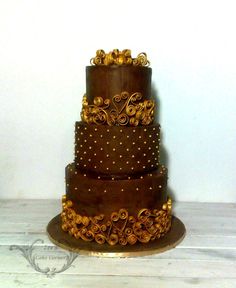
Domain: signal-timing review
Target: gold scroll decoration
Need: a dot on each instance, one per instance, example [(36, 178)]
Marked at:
[(120, 228), (123, 109), (117, 57)]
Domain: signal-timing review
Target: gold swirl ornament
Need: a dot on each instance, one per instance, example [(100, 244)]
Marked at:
[(122, 228), (124, 109), (116, 57)]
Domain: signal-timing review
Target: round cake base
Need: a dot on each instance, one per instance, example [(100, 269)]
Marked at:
[(65, 241)]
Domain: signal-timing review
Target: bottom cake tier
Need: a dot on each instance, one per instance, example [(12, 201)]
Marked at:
[(116, 210)]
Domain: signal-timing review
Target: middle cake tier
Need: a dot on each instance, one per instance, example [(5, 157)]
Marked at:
[(93, 195), (116, 149)]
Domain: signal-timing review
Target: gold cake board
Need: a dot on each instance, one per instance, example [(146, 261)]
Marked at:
[(65, 241)]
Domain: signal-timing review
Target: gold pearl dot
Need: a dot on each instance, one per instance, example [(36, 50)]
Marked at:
[(81, 145), (150, 188), (133, 143), (90, 135), (121, 156), (85, 128), (89, 160), (121, 143), (95, 129), (85, 175), (127, 149), (127, 136), (76, 172), (159, 186), (132, 156), (100, 161), (137, 189), (107, 155), (76, 188), (114, 137), (114, 149), (108, 130), (139, 137), (108, 142), (101, 136), (101, 148), (139, 148), (145, 130), (132, 168), (99, 177), (127, 162), (85, 140), (122, 189), (113, 162), (89, 189), (95, 141), (141, 177)]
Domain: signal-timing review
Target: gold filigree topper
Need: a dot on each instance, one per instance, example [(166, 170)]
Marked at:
[(117, 57)]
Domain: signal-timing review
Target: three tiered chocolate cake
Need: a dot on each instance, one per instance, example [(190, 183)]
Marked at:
[(116, 186)]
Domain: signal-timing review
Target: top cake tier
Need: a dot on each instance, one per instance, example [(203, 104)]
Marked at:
[(118, 91)]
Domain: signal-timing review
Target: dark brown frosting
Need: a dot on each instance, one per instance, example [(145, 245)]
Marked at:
[(108, 81), (92, 195), (119, 150)]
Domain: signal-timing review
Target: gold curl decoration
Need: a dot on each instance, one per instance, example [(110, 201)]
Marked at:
[(121, 228), (123, 109), (116, 57)]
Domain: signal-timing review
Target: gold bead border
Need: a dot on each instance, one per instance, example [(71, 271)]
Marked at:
[(124, 109), (117, 57), (122, 228)]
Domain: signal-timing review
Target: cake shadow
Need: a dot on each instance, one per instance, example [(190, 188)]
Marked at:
[(164, 156)]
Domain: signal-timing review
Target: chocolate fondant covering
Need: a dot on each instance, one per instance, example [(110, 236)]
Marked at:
[(116, 167), (108, 81), (116, 149), (91, 195)]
